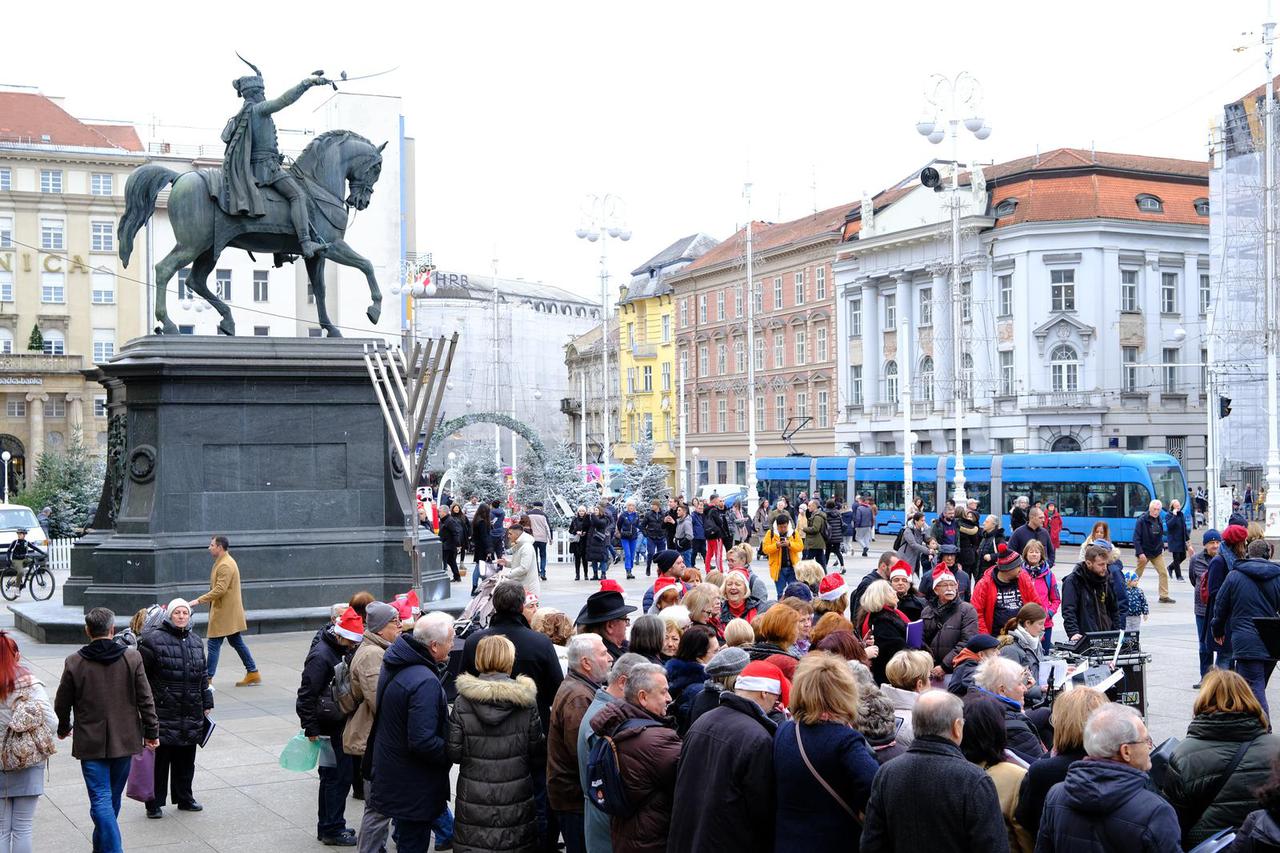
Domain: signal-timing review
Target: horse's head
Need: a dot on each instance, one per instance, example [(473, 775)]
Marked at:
[(363, 172)]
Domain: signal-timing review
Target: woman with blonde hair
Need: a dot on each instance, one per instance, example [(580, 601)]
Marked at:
[(740, 557), (822, 766), (1070, 712), (908, 673), (495, 738), (739, 633), (703, 601), (1227, 754), (810, 573), (881, 624), (738, 602)]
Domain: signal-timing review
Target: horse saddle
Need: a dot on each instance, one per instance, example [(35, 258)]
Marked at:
[(276, 220)]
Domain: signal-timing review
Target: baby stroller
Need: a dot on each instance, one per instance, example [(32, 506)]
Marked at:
[(479, 610)]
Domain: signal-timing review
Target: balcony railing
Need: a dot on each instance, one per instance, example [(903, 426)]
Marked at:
[(644, 350), (1063, 400), (36, 362)]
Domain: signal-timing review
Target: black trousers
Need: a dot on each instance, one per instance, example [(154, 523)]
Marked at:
[(450, 557), (176, 767)]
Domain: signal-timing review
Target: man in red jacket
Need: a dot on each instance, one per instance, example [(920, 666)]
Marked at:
[(1002, 591)]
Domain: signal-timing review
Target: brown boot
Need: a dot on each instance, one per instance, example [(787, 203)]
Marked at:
[(250, 678)]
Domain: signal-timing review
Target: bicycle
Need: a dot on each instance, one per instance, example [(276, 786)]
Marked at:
[(38, 580)]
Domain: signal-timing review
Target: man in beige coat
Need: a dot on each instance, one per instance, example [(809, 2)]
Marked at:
[(226, 612)]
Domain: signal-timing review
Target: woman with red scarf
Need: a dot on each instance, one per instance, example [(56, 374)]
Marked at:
[(738, 602), (881, 624)]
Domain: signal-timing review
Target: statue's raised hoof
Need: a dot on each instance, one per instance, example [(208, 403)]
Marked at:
[(167, 327), (227, 327), (374, 312), (332, 331)]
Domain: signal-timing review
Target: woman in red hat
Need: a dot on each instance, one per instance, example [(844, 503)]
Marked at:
[(1234, 541)]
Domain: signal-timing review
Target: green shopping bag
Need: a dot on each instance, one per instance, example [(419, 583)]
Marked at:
[(300, 754)]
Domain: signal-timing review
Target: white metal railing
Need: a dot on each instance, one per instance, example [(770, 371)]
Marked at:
[(60, 554)]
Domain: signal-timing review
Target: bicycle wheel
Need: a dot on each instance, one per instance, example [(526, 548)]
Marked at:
[(42, 584), (9, 585)]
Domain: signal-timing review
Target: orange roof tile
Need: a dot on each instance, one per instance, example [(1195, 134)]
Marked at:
[(1098, 196), (767, 236), (120, 135), (1079, 158), (29, 117)]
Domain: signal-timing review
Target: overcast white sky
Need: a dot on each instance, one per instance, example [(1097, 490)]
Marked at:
[(521, 109)]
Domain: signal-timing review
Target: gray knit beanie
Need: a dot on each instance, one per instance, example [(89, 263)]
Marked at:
[(726, 662)]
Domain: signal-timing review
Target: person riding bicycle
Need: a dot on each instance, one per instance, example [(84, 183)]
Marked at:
[(20, 551)]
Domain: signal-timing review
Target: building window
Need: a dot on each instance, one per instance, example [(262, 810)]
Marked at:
[(821, 343), (666, 376), (631, 336), (802, 347), (704, 414), (1169, 357), (53, 290), (6, 342), (760, 412), (260, 283), (666, 426), (926, 306), (684, 364), (183, 291), (222, 281), (104, 345), (799, 281), (855, 318), (1063, 289), (720, 305), (50, 180), (55, 408), (855, 385), (631, 380), (6, 286), (1006, 207), (891, 381), (777, 292), (1008, 386), (1148, 203), (1204, 371), (722, 414), (101, 183), (702, 308), (6, 232), (1175, 446), (704, 361), (647, 423), (737, 300), (722, 359), (778, 349), (802, 404), (6, 180), (1128, 369), (824, 409), (740, 414), (1169, 293), (780, 411), (103, 288), (261, 331), (646, 378), (54, 343), (1004, 287), (1204, 293), (926, 379), (1135, 442), (666, 328), (966, 301), (15, 407), (966, 376), (1201, 206), (759, 352), (684, 313), (100, 237), (52, 235), (1128, 290), (757, 297), (739, 356), (820, 285), (1064, 369), (890, 312)]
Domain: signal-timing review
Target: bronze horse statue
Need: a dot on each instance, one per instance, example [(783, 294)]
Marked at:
[(330, 163)]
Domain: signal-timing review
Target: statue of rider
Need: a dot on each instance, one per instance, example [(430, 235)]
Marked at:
[(253, 160)]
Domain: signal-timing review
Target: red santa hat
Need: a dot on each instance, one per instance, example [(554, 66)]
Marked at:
[(350, 626), (662, 584), (832, 587), (762, 676), (611, 585), (943, 576), (899, 572), (901, 564)]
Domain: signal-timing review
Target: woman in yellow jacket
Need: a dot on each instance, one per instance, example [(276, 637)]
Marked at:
[(783, 546)]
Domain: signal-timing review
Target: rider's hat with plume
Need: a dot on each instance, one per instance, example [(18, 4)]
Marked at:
[(249, 81)]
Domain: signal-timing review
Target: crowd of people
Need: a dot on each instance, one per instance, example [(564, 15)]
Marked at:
[(726, 710)]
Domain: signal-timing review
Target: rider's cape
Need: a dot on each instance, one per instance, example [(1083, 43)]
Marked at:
[(240, 193)]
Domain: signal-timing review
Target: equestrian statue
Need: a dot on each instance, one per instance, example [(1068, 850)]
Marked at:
[(257, 203)]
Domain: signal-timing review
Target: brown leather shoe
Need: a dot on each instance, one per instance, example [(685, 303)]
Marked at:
[(250, 679)]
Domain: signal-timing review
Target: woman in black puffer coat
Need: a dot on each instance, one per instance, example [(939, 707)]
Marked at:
[(174, 661), (495, 737)]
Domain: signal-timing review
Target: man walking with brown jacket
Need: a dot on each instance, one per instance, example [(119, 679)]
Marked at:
[(105, 700), (226, 612)]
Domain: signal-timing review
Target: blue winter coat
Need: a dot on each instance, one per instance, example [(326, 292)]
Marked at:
[(808, 818), (410, 772), (1148, 537), (1176, 531), (699, 531), (1251, 589), (1104, 806), (628, 525), (685, 680), (862, 516)]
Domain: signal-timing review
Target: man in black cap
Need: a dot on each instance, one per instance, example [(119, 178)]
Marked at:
[(981, 647), (606, 614), (670, 564)]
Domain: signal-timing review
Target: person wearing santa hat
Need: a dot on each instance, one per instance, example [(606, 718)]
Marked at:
[(321, 717), (833, 596), (910, 601), (949, 624), (948, 556), (724, 797), (670, 565)]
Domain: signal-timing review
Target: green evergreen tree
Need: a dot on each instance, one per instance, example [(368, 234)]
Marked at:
[(35, 343), (477, 474), (644, 480), (555, 477), (69, 480)]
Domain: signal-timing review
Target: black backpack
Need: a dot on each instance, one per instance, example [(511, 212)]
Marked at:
[(900, 539), (606, 791)]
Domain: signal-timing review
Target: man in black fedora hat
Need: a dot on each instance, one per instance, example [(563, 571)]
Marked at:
[(606, 614)]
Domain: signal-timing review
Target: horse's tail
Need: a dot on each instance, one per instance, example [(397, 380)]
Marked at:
[(140, 193)]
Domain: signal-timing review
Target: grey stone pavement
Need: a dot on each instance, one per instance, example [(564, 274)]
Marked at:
[(251, 803)]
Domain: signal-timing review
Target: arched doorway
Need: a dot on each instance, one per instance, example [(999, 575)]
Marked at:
[(17, 467), (1065, 444)]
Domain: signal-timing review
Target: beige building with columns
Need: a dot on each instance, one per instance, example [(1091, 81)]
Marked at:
[(61, 194)]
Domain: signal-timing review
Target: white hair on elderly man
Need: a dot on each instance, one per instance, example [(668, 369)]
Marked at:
[(433, 628)]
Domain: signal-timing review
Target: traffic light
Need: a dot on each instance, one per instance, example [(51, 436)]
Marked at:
[(1224, 406)]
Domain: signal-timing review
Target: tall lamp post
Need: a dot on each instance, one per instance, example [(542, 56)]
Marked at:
[(950, 98), (603, 217)]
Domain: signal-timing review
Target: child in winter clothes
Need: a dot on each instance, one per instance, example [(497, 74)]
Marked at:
[(1046, 584), (1138, 610)]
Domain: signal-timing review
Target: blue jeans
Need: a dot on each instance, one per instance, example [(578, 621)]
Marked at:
[(687, 556), (599, 569), (785, 576), (1206, 645), (573, 831), (335, 784), (443, 827), (105, 779), (1257, 673), (540, 548), (628, 554), (652, 547), (1046, 640), (237, 643)]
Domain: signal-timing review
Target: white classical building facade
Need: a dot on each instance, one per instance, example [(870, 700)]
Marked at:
[(1083, 292)]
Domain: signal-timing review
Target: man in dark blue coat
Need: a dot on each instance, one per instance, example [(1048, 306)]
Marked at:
[(409, 777), (1104, 804), (1033, 529), (1148, 547), (1251, 590)]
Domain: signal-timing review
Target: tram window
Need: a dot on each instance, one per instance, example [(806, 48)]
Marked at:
[(981, 492), (1138, 498), (1072, 498), (927, 492), (885, 495), (1105, 500)]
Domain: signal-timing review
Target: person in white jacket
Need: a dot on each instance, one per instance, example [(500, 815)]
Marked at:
[(20, 789), (521, 563)]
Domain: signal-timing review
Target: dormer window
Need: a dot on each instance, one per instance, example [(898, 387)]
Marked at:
[(1148, 203), (1202, 206), (1006, 207)]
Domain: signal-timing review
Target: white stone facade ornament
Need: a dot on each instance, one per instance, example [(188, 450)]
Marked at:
[(978, 183), (868, 215)]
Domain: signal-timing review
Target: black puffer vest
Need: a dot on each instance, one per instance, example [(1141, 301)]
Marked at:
[(175, 665)]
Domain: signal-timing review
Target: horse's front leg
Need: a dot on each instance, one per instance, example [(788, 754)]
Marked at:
[(315, 272), (341, 253)]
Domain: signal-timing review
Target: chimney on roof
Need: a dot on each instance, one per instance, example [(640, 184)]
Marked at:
[(1037, 153)]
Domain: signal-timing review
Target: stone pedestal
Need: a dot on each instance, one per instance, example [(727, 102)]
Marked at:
[(277, 443)]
